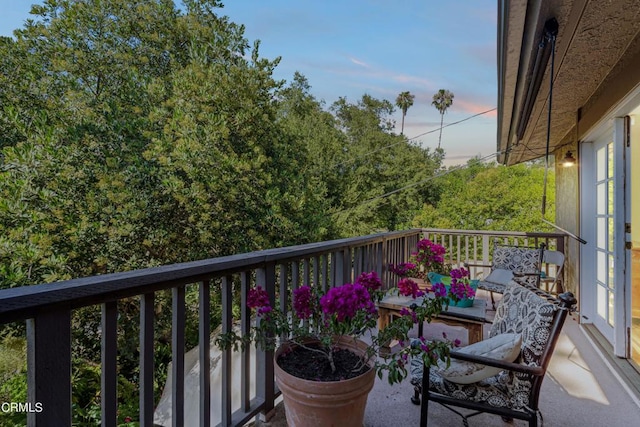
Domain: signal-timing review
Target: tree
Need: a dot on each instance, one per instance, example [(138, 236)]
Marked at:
[(404, 101), (135, 134), (489, 197), (442, 100), (381, 171)]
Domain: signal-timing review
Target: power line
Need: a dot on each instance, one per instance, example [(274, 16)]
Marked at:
[(454, 123), (409, 139), (406, 187)]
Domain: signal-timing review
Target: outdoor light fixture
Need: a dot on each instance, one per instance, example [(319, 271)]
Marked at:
[(545, 47), (569, 160)]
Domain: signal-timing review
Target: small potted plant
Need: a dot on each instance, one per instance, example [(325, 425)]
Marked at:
[(326, 346), (460, 290)]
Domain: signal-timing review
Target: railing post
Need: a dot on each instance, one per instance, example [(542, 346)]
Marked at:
[(49, 369)]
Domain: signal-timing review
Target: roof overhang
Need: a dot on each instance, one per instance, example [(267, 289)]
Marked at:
[(597, 43)]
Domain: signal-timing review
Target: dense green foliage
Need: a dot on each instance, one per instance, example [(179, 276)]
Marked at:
[(491, 197)]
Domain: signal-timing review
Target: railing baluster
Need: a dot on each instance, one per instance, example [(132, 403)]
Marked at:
[(306, 272), (109, 356), (265, 384), (380, 256), (204, 351), (227, 326), (316, 271), (177, 355), (347, 266), (295, 275), (49, 368), (245, 325), (325, 272), (147, 314)]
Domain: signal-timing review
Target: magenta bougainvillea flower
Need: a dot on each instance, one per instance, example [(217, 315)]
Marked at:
[(404, 269), (257, 298), (346, 300), (370, 281), (409, 288), (303, 302), (460, 287)]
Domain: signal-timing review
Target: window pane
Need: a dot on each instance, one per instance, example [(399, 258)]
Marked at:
[(601, 202), (610, 196), (602, 302), (611, 283), (610, 231), (610, 160), (601, 231), (601, 268), (611, 308), (600, 164)]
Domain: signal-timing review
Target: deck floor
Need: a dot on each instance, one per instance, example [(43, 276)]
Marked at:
[(579, 390)]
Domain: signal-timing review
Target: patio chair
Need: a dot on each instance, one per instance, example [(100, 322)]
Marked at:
[(551, 276), (506, 384), (522, 264)]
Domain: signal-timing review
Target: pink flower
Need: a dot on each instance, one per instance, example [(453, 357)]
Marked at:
[(411, 313), (439, 289), (345, 301), (258, 298), (408, 287), (303, 302), (370, 281)]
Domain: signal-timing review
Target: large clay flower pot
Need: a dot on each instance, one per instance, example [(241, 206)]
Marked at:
[(325, 404)]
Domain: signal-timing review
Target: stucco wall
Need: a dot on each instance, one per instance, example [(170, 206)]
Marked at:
[(567, 213)]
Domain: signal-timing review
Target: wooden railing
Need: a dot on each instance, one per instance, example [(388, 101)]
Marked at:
[(47, 310), (476, 247)]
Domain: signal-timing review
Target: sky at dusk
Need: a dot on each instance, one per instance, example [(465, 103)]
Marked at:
[(352, 47)]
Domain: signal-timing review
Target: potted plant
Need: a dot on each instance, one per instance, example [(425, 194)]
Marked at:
[(428, 258), (327, 350), (457, 286), (428, 263)]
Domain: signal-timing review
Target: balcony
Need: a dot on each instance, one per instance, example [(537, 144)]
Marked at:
[(579, 390)]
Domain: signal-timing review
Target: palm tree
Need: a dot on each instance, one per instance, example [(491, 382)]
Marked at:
[(442, 100), (404, 101)]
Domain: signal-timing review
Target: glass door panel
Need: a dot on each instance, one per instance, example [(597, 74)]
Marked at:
[(605, 272)]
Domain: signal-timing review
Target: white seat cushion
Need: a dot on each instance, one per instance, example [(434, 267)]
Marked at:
[(504, 347), (498, 275)]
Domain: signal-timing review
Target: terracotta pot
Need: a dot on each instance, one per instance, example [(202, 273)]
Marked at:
[(325, 404)]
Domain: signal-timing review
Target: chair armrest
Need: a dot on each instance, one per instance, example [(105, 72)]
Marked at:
[(522, 274), (510, 366), (469, 264)]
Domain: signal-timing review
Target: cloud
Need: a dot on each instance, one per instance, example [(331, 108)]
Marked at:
[(358, 62), (472, 107)]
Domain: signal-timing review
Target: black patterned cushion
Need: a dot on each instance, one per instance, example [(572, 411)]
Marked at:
[(522, 312), (520, 260)]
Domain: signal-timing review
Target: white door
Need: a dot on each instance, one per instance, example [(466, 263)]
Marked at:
[(603, 213), (604, 257)]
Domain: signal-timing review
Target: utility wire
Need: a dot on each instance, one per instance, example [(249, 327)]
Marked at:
[(453, 123), (438, 175), (410, 139)]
